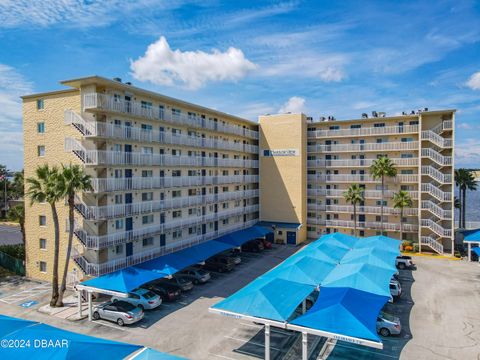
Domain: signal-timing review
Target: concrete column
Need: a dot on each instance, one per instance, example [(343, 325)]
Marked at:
[(80, 314), (89, 306), (267, 342), (469, 251), (304, 346)]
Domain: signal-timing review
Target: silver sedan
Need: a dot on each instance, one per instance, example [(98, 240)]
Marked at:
[(120, 312)]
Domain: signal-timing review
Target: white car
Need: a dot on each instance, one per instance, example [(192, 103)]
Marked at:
[(404, 262), (388, 325), (395, 288), (143, 298)]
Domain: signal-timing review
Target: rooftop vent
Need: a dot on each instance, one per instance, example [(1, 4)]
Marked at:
[(382, 114), (374, 114), (364, 116), (117, 79), (322, 118), (128, 83), (425, 109)]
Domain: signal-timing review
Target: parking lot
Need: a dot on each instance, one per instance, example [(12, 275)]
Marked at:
[(439, 310)]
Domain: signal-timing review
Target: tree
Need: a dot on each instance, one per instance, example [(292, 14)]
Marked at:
[(43, 187), (72, 179), (17, 186), (354, 196), (380, 169), (465, 180), (17, 213), (402, 200)]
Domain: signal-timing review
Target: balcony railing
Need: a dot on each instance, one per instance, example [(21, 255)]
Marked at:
[(437, 175), (371, 210), (102, 241), (385, 146), (368, 194), (106, 130), (437, 210), (437, 193), (364, 131), (371, 225), (143, 183), (119, 210), (436, 228), (358, 162), (361, 178), (97, 269), (436, 139), (437, 157), (107, 157), (432, 243), (135, 108)]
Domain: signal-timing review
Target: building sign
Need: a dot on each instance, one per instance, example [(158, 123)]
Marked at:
[(281, 152)]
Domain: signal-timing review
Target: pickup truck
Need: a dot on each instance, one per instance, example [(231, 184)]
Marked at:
[(404, 262)]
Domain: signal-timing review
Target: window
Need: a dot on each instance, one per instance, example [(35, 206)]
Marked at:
[(147, 150), (192, 192), (414, 122), (355, 126), (41, 150), (118, 173), (117, 147), (176, 173), (42, 220), (40, 104), (192, 173), (176, 112), (146, 127), (225, 205), (147, 241), (406, 156), (119, 224), (147, 219), (119, 249), (147, 173), (177, 214), (406, 172), (192, 211), (119, 199), (176, 193), (379, 202), (117, 123), (147, 196), (176, 152), (41, 127), (407, 139), (379, 125), (225, 221), (177, 234), (43, 266), (43, 244), (146, 105), (191, 230), (176, 132)]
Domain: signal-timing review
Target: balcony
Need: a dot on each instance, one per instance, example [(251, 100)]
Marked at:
[(385, 146), (121, 210), (102, 241), (360, 178), (137, 109), (368, 194), (144, 183), (107, 157), (365, 131), (371, 225), (443, 178), (95, 269), (371, 210), (122, 132), (320, 163)]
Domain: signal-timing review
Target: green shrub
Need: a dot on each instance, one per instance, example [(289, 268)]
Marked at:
[(16, 251), (415, 248)]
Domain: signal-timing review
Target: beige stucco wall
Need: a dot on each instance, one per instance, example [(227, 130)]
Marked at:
[(53, 139), (283, 182)]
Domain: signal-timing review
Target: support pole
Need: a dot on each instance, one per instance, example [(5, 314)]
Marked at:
[(304, 306), (267, 342), (304, 346), (469, 251), (89, 306), (80, 314)]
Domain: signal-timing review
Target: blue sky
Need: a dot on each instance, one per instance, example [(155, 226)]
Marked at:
[(249, 58)]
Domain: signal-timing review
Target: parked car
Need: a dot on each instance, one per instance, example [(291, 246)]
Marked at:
[(178, 281), (121, 312), (196, 275), (395, 289), (143, 298), (219, 265), (404, 262), (233, 256), (253, 246), (166, 291), (388, 324), (267, 245)]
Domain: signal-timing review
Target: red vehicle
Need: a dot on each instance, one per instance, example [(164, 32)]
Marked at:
[(266, 244)]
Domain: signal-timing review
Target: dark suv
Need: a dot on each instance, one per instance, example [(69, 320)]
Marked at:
[(166, 291), (253, 246), (223, 264)]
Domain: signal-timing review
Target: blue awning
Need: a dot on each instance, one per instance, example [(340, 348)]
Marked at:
[(476, 250), (472, 235), (240, 237), (274, 299), (124, 280), (345, 311), (372, 256)]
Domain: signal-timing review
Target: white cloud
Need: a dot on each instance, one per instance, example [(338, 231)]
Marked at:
[(193, 69), (465, 126), (294, 105), (467, 153), (474, 81)]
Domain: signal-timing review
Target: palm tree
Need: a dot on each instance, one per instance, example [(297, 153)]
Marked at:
[(402, 200), (381, 168), (354, 196), (17, 213), (465, 180), (72, 179), (457, 205), (44, 188)]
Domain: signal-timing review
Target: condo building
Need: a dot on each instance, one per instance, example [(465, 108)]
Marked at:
[(167, 174)]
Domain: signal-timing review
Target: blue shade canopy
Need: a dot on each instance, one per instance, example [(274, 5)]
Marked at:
[(476, 250), (472, 235), (334, 249), (274, 299), (151, 354), (344, 240), (75, 346), (124, 280), (238, 238), (203, 251), (168, 264), (360, 276), (380, 242), (345, 311), (9, 324), (373, 256)]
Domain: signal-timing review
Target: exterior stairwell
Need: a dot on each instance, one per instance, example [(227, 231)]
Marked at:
[(432, 243), (83, 126)]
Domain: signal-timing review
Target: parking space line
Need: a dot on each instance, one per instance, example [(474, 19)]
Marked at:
[(221, 356), (104, 323)]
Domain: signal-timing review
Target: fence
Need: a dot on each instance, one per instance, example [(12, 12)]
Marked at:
[(13, 264)]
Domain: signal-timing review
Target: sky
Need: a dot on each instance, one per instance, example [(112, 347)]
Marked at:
[(250, 58)]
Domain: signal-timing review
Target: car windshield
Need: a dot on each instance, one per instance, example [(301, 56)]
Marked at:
[(387, 316), (148, 295), (202, 272), (182, 280), (124, 306)]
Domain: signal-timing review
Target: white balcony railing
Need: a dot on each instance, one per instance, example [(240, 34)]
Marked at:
[(97, 269), (136, 108), (143, 183), (385, 146), (364, 131), (131, 133), (371, 210), (368, 194), (437, 210), (358, 162), (437, 175), (432, 243), (437, 157), (361, 178), (118, 210), (437, 193), (436, 139), (371, 225), (436, 228), (107, 157)]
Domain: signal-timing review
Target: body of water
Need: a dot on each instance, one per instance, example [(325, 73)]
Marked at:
[(472, 212)]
